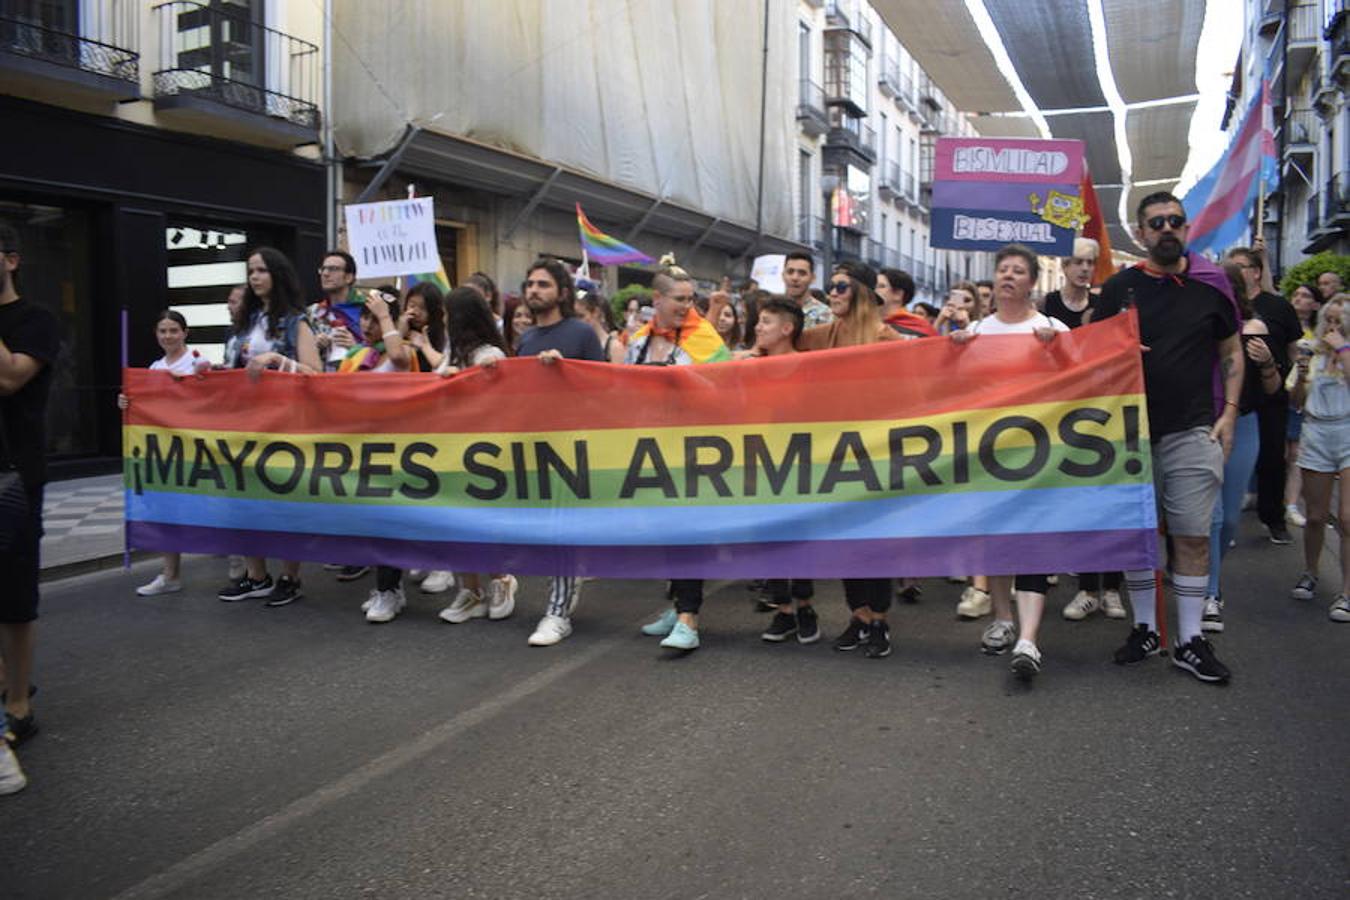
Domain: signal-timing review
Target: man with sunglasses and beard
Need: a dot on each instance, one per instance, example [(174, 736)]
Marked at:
[(1189, 325)]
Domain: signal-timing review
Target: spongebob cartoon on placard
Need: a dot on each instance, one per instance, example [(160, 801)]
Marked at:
[(1063, 210)]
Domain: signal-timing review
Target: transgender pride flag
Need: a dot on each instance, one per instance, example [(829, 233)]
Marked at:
[(603, 249), (1221, 202)]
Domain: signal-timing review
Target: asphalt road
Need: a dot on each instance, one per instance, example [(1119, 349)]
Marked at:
[(197, 749)]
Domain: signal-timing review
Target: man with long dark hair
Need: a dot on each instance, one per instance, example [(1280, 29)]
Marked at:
[(557, 334)]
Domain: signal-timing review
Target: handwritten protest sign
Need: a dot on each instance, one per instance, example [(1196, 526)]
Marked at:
[(393, 238)]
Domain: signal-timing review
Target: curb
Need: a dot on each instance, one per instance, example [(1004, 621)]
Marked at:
[(89, 566)]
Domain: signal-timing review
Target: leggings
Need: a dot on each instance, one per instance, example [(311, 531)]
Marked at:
[(388, 578), (687, 594), (1100, 581), (873, 593), (1241, 463), (783, 590)]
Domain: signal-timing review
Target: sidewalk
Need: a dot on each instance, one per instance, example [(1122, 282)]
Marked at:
[(82, 519)]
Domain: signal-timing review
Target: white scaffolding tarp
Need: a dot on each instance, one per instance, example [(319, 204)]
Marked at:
[(659, 97)]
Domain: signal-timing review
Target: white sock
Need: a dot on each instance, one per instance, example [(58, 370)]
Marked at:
[(1143, 591), (1190, 591)]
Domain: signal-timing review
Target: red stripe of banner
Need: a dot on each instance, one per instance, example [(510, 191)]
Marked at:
[(922, 377)]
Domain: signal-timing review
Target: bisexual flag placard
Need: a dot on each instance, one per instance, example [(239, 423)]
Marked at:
[(988, 192)]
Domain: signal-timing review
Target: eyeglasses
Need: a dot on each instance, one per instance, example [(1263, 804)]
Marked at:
[(839, 287), (324, 270), (539, 282), (1174, 221)]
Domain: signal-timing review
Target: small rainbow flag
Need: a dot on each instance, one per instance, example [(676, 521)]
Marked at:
[(602, 248), (438, 278)]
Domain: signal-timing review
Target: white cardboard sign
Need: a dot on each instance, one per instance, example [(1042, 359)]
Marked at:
[(393, 237)]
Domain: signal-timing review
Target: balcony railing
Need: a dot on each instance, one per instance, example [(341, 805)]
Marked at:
[(1338, 200), (811, 107), (888, 77), (810, 230), (103, 39), (872, 252), (212, 54), (837, 13), (1314, 221), (1300, 127), (1305, 25), (911, 194)]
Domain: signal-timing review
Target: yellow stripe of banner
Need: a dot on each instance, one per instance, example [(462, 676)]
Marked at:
[(613, 448)]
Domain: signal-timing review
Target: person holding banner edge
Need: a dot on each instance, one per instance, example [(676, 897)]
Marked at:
[(1189, 324)]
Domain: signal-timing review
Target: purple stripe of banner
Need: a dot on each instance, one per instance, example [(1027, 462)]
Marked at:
[(991, 195), (1081, 551)]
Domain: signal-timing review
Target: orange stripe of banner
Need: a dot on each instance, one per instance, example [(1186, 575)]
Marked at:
[(912, 379)]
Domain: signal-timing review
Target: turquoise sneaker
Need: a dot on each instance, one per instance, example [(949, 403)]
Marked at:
[(661, 625), (682, 637)]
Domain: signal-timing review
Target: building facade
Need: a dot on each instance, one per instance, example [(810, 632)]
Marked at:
[(868, 118), (1303, 48), (150, 146)]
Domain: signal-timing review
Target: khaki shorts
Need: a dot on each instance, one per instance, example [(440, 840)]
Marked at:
[(1187, 476)]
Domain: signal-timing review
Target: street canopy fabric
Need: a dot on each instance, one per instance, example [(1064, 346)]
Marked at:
[(922, 458)]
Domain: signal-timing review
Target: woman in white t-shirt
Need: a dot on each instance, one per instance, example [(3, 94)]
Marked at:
[(475, 341), (180, 361), (1015, 273)]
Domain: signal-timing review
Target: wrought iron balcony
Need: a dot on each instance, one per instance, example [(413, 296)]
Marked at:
[(91, 49), (890, 185), (216, 63), (1338, 202), (811, 108)]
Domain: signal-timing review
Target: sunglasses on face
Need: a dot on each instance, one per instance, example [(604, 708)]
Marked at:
[(1174, 221), (839, 287)]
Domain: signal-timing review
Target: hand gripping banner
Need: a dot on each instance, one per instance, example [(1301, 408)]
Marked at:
[(920, 458)]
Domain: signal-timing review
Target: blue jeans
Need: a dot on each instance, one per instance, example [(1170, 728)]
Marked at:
[(1228, 507)]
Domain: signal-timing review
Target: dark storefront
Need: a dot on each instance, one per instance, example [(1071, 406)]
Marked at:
[(116, 215)]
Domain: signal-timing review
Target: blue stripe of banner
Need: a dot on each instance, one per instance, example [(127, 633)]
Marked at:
[(1077, 509)]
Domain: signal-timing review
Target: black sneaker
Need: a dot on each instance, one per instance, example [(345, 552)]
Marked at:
[(287, 591), (1280, 535), (1140, 645), (878, 641), (783, 626), (21, 730), (351, 573), (910, 594), (808, 625), (1197, 657), (246, 589), (854, 635)]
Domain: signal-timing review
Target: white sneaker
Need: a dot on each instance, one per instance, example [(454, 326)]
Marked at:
[(12, 779), (974, 604), (438, 582), (385, 605), (370, 601), (466, 605), (1294, 517), (550, 631), (1112, 605), (998, 637), (502, 597), (1026, 660), (1083, 604), (160, 585)]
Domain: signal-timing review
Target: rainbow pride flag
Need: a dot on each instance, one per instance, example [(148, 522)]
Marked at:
[(438, 278), (916, 458), (603, 249)]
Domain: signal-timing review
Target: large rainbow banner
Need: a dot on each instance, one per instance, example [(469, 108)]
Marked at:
[(1005, 455)]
